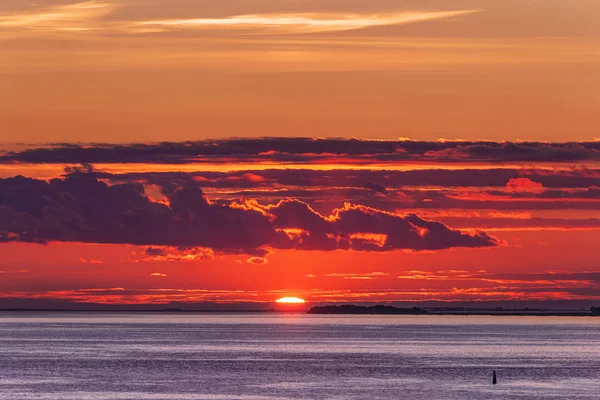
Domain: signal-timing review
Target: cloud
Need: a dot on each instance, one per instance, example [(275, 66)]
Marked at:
[(77, 17), (550, 277), (514, 224), (86, 261), (81, 208), (257, 260), (524, 185), (450, 190), (539, 281), (168, 253), (356, 276), (302, 23), (451, 200), (465, 286), (365, 228), (88, 16), (309, 150), (375, 187), (310, 183)]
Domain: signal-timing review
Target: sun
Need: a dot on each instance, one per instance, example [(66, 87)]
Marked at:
[(290, 300)]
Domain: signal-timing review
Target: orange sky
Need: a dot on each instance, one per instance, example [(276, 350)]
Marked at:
[(106, 70), (147, 71), (529, 260), (543, 225)]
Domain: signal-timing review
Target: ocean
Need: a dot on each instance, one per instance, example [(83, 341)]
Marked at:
[(122, 356)]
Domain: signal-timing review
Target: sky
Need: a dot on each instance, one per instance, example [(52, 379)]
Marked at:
[(150, 70), (160, 151)]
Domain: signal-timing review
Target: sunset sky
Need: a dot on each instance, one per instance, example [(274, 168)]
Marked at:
[(159, 151)]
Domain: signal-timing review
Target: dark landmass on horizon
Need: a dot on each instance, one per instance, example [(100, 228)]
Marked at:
[(389, 310), (548, 308)]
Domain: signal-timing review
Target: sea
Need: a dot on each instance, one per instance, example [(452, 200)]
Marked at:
[(122, 356)]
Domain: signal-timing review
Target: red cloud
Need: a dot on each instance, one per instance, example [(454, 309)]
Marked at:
[(524, 185)]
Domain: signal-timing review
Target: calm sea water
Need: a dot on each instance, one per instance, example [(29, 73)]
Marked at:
[(268, 356)]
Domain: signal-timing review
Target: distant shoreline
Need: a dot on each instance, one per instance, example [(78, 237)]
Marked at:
[(330, 310), (389, 310)]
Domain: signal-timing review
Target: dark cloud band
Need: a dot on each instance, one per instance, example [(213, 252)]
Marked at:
[(80, 208), (309, 150)]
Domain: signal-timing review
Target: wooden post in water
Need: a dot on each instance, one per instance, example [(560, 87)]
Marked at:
[(494, 380)]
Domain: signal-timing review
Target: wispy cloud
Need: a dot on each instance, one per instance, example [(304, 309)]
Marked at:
[(86, 15), (65, 18), (303, 23)]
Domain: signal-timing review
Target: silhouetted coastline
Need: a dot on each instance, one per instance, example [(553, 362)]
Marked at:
[(576, 309), (390, 310)]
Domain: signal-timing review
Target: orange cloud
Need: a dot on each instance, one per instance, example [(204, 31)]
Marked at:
[(257, 260), (85, 261), (356, 276), (168, 253)]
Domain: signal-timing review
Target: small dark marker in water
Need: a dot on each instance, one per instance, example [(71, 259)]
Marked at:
[(494, 380)]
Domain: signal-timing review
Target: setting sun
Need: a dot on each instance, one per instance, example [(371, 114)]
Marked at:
[(290, 300)]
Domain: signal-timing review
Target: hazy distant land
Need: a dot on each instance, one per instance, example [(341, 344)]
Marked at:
[(343, 309), (390, 310)]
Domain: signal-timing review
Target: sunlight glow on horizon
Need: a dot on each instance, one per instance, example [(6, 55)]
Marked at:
[(290, 300)]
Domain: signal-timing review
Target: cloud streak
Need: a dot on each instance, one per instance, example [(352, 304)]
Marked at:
[(87, 15), (303, 23), (63, 18), (479, 287), (312, 150)]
